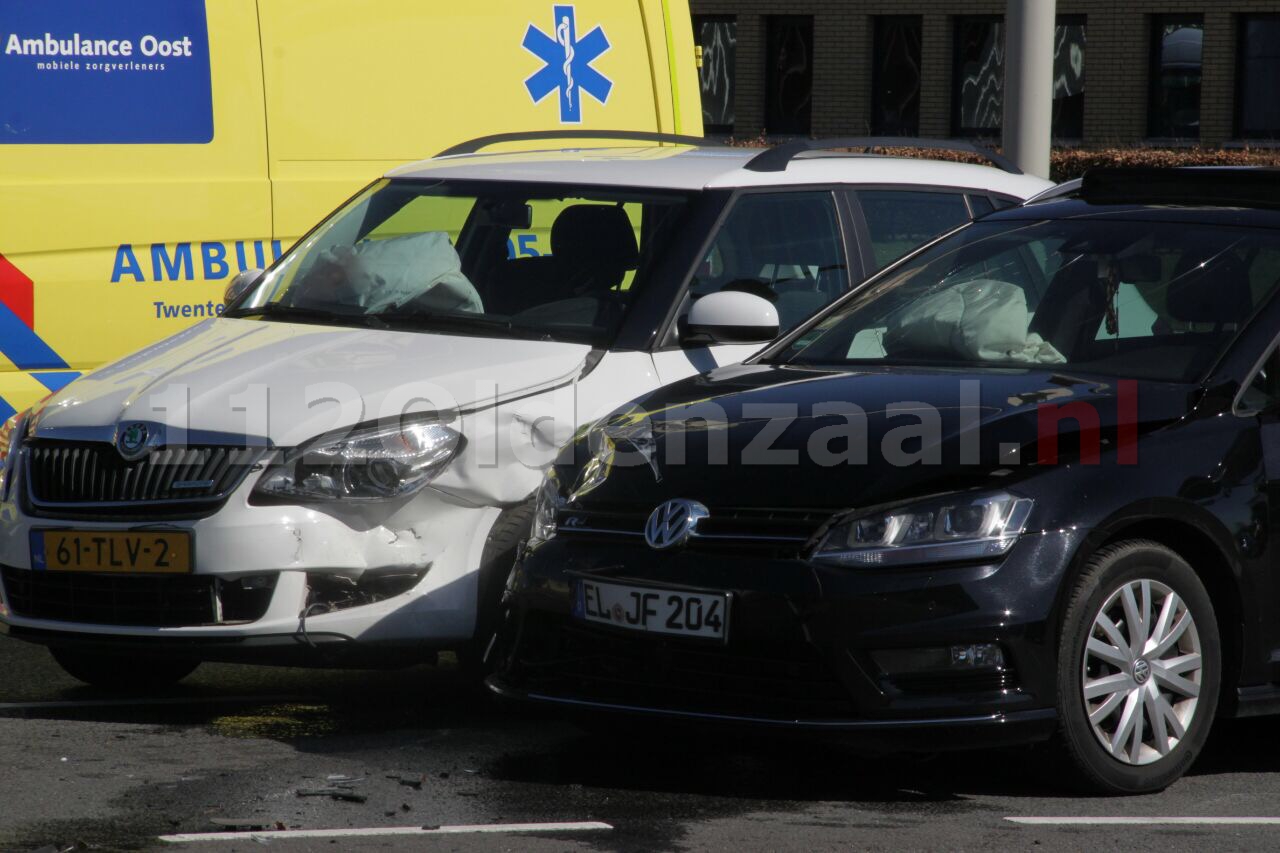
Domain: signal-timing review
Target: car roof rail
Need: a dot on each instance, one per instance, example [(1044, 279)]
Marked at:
[(777, 158), (1216, 186), (473, 146)]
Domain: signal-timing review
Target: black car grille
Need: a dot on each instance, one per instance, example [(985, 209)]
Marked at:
[(65, 476), (783, 531), (562, 658), (155, 601)]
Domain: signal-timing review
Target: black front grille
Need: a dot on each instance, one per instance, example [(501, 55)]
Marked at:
[(781, 530), (154, 601), (564, 658), (69, 474)]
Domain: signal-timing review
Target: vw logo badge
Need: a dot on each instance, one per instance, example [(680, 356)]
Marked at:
[(673, 523), (131, 441), (1141, 671)]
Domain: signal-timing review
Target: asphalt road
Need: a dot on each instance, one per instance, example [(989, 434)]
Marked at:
[(237, 743)]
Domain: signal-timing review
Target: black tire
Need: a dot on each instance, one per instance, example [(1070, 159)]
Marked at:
[(496, 562), (1141, 767), (122, 672)]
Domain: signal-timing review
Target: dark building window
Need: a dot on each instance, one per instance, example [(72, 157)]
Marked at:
[(978, 77), (1068, 77), (1258, 77), (788, 73), (717, 35), (1176, 43), (895, 77)]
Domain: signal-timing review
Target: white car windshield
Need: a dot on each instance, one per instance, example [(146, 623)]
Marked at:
[(467, 257)]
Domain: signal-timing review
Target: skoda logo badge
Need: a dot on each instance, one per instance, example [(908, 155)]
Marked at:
[(131, 441), (673, 523)]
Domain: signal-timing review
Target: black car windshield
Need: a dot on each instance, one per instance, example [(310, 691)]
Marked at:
[(1148, 300), (498, 259)]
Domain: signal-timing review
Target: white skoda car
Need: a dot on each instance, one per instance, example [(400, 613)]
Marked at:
[(338, 470)]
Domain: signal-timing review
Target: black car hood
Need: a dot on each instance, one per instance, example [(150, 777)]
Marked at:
[(706, 437)]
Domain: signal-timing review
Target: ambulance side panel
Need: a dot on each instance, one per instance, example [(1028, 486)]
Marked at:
[(125, 189), (132, 188), (354, 90), (678, 51)]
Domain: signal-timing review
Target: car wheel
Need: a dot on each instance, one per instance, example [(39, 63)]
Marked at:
[(115, 671), (511, 528), (1139, 666)]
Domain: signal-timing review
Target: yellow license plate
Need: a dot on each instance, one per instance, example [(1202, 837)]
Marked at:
[(159, 552)]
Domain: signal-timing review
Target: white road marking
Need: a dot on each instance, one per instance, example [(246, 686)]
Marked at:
[(582, 826), (1145, 821)]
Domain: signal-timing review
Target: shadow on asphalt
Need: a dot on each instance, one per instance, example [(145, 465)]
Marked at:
[(324, 711)]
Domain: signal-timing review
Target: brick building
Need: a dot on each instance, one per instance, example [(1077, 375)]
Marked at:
[(1127, 72)]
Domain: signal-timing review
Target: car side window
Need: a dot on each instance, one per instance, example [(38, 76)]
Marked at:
[(785, 247), (980, 205), (1263, 390), (900, 220)]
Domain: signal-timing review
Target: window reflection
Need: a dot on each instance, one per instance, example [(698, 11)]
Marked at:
[(1176, 47), (1068, 77), (1258, 112), (788, 73), (979, 77), (895, 84), (717, 35)]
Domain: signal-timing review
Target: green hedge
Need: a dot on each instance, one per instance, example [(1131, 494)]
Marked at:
[(1072, 162), (1067, 163)]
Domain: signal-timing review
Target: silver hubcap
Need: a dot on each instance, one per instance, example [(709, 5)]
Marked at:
[(1142, 667)]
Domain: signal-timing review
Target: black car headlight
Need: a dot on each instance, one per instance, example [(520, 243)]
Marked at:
[(374, 463), (546, 506), (955, 527)]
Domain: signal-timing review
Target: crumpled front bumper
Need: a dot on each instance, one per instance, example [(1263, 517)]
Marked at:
[(433, 533)]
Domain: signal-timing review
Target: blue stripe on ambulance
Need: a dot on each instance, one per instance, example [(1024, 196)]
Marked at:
[(21, 345), (56, 380)]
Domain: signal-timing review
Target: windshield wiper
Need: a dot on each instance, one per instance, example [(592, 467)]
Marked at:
[(446, 321), (275, 310)]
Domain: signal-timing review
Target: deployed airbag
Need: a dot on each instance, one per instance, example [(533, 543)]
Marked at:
[(980, 320), (420, 268)]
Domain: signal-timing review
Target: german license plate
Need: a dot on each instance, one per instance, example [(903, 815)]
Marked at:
[(656, 611), (122, 552)]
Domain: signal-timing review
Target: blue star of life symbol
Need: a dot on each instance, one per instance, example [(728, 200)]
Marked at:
[(568, 64)]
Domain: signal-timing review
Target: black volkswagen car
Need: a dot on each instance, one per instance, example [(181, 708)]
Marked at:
[(1019, 486)]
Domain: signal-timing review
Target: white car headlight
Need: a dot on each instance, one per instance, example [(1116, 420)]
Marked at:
[(376, 463), (957, 527)]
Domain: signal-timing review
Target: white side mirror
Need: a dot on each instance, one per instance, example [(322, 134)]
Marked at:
[(243, 281), (731, 317)]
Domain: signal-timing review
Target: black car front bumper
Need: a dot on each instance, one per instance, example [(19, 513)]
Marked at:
[(807, 645)]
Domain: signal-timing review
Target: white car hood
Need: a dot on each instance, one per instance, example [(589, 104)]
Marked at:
[(290, 382)]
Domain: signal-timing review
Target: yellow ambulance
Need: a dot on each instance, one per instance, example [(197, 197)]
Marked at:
[(151, 150)]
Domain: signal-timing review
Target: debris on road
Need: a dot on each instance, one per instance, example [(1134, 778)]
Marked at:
[(333, 792), (65, 847), (343, 779), (246, 824), (412, 780)]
